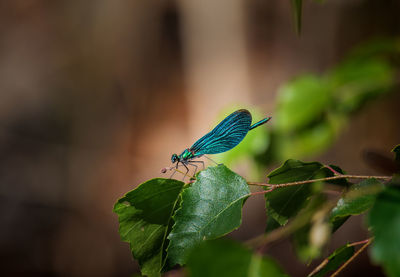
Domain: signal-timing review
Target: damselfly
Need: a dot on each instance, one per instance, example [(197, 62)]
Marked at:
[(225, 136)]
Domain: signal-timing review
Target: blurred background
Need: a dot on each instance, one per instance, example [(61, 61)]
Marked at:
[(95, 96)]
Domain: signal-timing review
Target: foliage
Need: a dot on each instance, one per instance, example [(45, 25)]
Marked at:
[(167, 222), (337, 258), (210, 208), (384, 220), (145, 219), (233, 260), (312, 110), (284, 203)]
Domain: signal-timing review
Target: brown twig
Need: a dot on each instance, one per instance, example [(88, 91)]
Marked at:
[(367, 242), (275, 186), (326, 260)]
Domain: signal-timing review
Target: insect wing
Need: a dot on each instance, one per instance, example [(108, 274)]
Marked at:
[(226, 135)]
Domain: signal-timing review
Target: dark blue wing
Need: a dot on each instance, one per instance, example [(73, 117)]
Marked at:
[(226, 135)]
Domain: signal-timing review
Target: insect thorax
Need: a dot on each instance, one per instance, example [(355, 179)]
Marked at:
[(186, 154)]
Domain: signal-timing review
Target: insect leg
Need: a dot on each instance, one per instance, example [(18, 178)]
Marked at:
[(195, 168), (197, 162), (175, 168), (173, 173), (187, 171)]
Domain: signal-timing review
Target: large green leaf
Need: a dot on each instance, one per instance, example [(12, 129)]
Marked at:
[(144, 219), (336, 259), (229, 258), (210, 208), (384, 219), (283, 203), (301, 102), (357, 200)]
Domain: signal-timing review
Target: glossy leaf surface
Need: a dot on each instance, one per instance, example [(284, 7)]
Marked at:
[(357, 200), (210, 208)]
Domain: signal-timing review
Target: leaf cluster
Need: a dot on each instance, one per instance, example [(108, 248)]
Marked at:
[(169, 223)]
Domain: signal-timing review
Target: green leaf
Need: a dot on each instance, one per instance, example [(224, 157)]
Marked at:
[(309, 141), (294, 170), (378, 47), (334, 261), (396, 151), (301, 102), (144, 216), (357, 200), (229, 258), (210, 208), (357, 81), (283, 203), (296, 8), (384, 219)]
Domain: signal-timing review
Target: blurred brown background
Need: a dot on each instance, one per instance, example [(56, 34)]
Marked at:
[(96, 95)]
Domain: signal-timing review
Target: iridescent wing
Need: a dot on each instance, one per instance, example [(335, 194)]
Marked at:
[(226, 135)]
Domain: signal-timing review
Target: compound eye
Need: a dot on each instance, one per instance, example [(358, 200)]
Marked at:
[(174, 158)]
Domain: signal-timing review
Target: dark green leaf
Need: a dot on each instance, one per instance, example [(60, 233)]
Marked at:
[(144, 219), (356, 201), (396, 151), (336, 259), (228, 258), (210, 208), (271, 224), (300, 102), (338, 221), (384, 219), (285, 202), (297, 9), (294, 170)]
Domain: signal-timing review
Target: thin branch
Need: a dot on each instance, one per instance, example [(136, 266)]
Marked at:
[(319, 267), (326, 260), (262, 191), (368, 242), (275, 186), (359, 242), (333, 171)]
